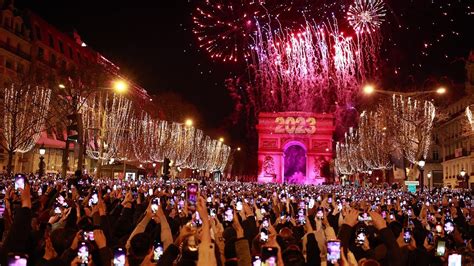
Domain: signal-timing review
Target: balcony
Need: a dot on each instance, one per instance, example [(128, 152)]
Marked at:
[(15, 50), (18, 33)]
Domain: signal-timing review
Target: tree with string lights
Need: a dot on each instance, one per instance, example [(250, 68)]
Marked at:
[(24, 111)]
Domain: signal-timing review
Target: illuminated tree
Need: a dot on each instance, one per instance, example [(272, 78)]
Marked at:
[(105, 119), (411, 125), (24, 111), (375, 145)]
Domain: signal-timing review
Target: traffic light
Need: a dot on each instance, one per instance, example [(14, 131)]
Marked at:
[(73, 129)]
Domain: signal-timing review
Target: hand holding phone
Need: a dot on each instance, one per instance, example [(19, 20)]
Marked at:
[(192, 190), (119, 257), (334, 251), (157, 251)]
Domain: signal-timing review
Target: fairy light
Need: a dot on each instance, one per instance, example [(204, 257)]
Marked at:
[(25, 109), (413, 121)]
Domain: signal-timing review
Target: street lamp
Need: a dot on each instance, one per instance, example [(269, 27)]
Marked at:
[(221, 139), (441, 90), (421, 166), (42, 152), (369, 89), (429, 180), (463, 175), (120, 86), (188, 122), (238, 148)]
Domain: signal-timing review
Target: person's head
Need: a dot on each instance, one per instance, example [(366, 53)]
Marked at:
[(368, 262), (140, 245), (293, 256)]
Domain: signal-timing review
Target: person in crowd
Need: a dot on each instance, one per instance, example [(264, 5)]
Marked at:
[(83, 221)]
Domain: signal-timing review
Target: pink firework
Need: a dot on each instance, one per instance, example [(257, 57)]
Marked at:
[(313, 70), (366, 16)]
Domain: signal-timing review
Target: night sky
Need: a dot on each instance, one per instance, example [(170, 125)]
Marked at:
[(153, 43)]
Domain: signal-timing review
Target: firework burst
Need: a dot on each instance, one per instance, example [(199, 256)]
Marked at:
[(223, 28), (366, 16)]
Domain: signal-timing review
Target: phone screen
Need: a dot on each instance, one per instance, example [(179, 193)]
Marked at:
[(19, 181), (83, 253), (264, 235), (430, 238), (319, 213), (154, 204), (238, 205), (192, 193), (406, 235), (229, 215), (440, 248), (301, 216), (17, 260), (119, 257), (269, 256), (360, 236), (334, 251), (256, 261), (454, 260), (157, 251), (2, 207)]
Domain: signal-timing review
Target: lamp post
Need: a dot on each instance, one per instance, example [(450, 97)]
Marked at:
[(421, 166), (463, 175), (370, 174), (154, 168), (429, 180), (42, 152)]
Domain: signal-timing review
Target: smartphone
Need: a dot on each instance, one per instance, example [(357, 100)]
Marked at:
[(150, 191), (301, 216), (454, 260), (119, 257), (17, 260), (196, 220), (157, 251), (360, 236), (20, 180), (439, 228), (89, 235), (319, 214), (213, 212), (363, 217), (334, 251), (441, 248), (155, 202), (83, 253), (269, 256), (430, 238), (448, 226), (192, 189), (94, 199), (2, 208), (228, 215), (406, 235), (256, 261), (311, 203), (265, 222), (238, 205), (263, 235)]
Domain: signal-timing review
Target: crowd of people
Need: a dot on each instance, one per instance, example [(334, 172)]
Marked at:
[(82, 221)]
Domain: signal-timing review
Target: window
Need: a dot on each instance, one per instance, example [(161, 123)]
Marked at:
[(8, 64), (71, 53), (53, 59), (61, 47), (38, 32), (51, 40), (435, 155), (63, 65), (40, 53), (20, 69), (17, 28)]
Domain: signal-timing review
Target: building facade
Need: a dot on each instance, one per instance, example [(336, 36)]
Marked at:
[(455, 137), (29, 43)]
